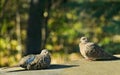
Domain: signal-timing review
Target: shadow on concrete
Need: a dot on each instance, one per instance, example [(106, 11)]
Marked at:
[(60, 66), (115, 59), (52, 67), (16, 70)]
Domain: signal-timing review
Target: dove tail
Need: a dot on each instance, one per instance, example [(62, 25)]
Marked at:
[(114, 57)]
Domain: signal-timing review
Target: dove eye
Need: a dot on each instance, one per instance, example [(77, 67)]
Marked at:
[(45, 52), (84, 38)]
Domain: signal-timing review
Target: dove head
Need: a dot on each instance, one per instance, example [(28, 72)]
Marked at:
[(44, 52), (83, 39)]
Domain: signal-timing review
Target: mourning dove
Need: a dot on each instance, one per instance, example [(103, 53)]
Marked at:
[(34, 62), (41, 61), (92, 51)]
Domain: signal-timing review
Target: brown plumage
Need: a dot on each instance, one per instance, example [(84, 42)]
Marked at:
[(92, 51), (34, 62), (41, 61)]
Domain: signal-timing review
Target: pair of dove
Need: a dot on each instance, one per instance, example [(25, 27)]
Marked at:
[(35, 62), (89, 51), (92, 51)]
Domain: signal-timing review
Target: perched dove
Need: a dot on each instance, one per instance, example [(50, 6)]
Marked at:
[(92, 51), (34, 62), (41, 61)]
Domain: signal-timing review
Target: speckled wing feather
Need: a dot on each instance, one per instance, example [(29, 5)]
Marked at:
[(26, 60), (95, 52), (41, 61), (33, 62), (92, 51), (23, 62)]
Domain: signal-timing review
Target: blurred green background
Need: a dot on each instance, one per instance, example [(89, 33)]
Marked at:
[(27, 26)]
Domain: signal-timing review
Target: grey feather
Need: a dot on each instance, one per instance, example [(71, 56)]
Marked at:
[(26, 60), (92, 51), (33, 62), (41, 61)]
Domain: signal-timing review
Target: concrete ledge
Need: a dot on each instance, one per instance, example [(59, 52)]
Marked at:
[(77, 67)]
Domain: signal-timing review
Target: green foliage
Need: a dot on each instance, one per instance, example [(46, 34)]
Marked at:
[(97, 20), (10, 46)]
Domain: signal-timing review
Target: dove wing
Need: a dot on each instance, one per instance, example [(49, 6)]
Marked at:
[(37, 63), (93, 50), (26, 60), (43, 62), (96, 52)]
